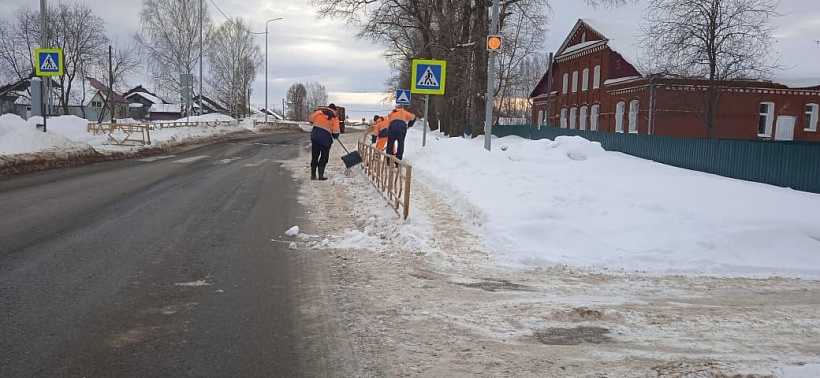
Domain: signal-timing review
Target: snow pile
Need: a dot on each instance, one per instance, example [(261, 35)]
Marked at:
[(355, 239), (570, 202), (211, 117), (292, 232), (18, 136)]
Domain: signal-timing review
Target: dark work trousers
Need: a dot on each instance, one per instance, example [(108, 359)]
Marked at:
[(319, 156), (396, 132)]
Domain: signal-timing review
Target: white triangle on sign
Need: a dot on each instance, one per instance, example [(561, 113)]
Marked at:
[(428, 79), (48, 64), (403, 97)]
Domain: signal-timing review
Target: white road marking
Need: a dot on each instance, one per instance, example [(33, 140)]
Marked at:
[(155, 158), (191, 159), (229, 160), (193, 283), (258, 163)]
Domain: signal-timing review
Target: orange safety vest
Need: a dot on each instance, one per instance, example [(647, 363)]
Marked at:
[(403, 115), (380, 131), (325, 118)]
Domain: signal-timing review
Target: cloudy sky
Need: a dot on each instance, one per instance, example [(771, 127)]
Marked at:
[(303, 48)]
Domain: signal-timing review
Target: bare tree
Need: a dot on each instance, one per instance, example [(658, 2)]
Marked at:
[(74, 28), (316, 96), (170, 39), (296, 98), (233, 58), (712, 40)]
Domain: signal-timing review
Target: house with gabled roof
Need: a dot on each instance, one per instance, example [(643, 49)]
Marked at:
[(595, 83), (15, 97), (140, 101), (98, 107)]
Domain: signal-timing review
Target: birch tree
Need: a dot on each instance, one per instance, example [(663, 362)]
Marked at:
[(713, 40), (296, 98), (233, 59)]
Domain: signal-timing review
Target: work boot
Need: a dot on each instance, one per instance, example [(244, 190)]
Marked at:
[(322, 174), (312, 172)]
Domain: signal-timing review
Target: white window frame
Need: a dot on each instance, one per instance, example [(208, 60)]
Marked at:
[(585, 80), (620, 108), (769, 120), (564, 118), (634, 106), (573, 116), (566, 83), (574, 81), (596, 77), (582, 124), (540, 117), (595, 111), (812, 115)]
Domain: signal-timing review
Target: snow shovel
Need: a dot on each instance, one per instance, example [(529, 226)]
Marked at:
[(352, 158)]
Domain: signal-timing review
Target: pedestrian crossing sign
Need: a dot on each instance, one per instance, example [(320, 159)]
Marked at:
[(49, 62), (428, 76)]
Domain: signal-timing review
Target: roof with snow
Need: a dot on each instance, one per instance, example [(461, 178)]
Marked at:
[(165, 108), (151, 98)]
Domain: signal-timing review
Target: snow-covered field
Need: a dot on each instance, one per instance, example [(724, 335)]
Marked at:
[(66, 133), (569, 202)]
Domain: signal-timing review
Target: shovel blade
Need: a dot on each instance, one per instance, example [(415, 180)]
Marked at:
[(352, 159)]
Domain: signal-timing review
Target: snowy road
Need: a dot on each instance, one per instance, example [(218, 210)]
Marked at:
[(164, 266)]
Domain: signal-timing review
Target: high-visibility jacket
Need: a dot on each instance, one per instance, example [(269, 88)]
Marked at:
[(380, 131), (325, 126), (401, 117)]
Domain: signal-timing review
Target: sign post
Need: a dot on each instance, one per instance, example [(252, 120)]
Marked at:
[(428, 77), (48, 62)]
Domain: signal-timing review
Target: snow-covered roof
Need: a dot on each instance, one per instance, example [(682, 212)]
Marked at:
[(580, 46), (165, 108), (620, 80), (153, 99)]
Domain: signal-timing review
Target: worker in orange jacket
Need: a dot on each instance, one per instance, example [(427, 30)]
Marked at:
[(379, 135), (397, 123), (325, 129)]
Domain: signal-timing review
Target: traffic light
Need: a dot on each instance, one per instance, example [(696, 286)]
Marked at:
[(493, 42)]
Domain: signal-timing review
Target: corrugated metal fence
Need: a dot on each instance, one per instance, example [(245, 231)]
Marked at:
[(789, 164)]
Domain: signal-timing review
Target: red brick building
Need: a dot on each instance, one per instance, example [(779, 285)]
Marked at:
[(594, 84)]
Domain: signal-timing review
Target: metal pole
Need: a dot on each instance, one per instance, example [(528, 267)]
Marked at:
[(44, 44), (266, 72), (201, 47), (426, 121), (549, 91), (110, 86), (488, 121)]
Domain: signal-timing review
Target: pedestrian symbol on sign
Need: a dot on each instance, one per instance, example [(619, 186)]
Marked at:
[(428, 78), (48, 64)]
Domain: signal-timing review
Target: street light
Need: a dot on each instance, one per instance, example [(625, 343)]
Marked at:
[(266, 65)]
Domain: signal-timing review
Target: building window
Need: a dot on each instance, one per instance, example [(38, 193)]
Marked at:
[(619, 117), (566, 83), (564, 118), (810, 121), (596, 77), (573, 115), (585, 80), (96, 104), (633, 116), (593, 117), (766, 119), (574, 81), (583, 37), (582, 125), (540, 117)]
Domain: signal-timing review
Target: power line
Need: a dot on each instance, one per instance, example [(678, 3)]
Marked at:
[(220, 10)]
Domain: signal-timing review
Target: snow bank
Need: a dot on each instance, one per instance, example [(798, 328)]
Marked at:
[(18, 136), (570, 202), (211, 117)]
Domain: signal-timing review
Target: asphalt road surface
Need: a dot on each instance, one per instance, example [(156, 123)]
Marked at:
[(164, 267)]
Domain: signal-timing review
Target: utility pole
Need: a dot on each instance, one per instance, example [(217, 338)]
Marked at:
[(110, 87), (201, 47), (488, 121), (44, 44), (266, 65)]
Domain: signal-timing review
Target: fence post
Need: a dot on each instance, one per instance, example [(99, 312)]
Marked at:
[(407, 191)]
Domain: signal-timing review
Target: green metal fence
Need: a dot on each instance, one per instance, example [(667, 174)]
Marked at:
[(789, 164)]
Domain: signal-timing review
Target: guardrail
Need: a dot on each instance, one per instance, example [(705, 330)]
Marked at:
[(390, 175)]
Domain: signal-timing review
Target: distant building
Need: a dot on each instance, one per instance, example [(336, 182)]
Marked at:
[(140, 100), (593, 84), (97, 109), (165, 112), (15, 98)]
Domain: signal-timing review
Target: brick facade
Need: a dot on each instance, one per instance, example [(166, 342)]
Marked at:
[(661, 105)]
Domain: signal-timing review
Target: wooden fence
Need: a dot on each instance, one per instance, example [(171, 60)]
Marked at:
[(391, 176), (121, 133)]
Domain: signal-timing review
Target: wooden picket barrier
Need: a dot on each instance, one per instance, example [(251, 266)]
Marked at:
[(129, 129), (390, 175)]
